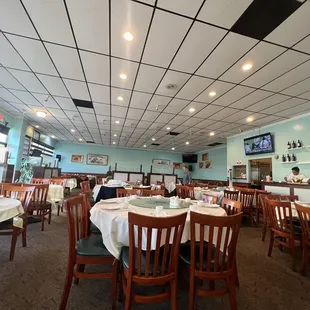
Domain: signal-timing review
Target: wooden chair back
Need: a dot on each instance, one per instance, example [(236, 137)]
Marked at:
[(152, 192), (180, 191), (246, 197), (166, 255), (291, 198), (85, 187), (231, 206), (61, 182), (77, 218), (233, 195), (221, 232), (40, 193), (23, 194), (120, 192), (40, 181), (189, 192), (210, 198), (304, 216), (99, 180)]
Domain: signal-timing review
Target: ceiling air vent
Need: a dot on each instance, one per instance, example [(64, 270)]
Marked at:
[(171, 86), (215, 144), (83, 103), (173, 133), (90, 141), (156, 144)]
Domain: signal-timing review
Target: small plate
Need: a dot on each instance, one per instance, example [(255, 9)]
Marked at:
[(116, 207), (112, 200)]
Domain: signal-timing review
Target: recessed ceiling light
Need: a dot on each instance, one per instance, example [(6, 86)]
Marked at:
[(187, 142), (128, 36), (250, 119), (211, 133), (37, 126), (153, 139), (114, 142), (115, 135), (120, 98), (191, 110), (53, 137), (116, 122), (168, 128), (80, 139), (212, 93), (123, 76), (72, 130), (173, 149), (41, 114), (144, 145), (247, 66)]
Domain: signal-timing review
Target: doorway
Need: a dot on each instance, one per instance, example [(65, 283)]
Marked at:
[(259, 168)]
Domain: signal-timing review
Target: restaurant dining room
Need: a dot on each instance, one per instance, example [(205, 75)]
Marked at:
[(154, 154)]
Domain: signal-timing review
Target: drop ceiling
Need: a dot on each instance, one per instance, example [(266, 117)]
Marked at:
[(54, 54)]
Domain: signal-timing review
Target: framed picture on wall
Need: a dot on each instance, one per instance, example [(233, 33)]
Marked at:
[(161, 162), (77, 158), (177, 165), (205, 164), (97, 159), (205, 156)]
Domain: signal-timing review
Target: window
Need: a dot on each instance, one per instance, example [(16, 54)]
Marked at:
[(3, 139)]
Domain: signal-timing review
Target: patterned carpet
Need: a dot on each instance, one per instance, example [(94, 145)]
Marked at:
[(34, 280)]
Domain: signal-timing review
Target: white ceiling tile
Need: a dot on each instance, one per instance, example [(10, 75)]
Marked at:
[(148, 78), (293, 29), (193, 87), (266, 120), (236, 116), (28, 80), (268, 102), (208, 111), (78, 90), (193, 105), (128, 16), (8, 96), (134, 114), (150, 116), (250, 99), (26, 97), (305, 95), (89, 118), (144, 124), (223, 13), (66, 60), (96, 67), (93, 33), (118, 111), (118, 92), (175, 78), (65, 103), (123, 67), (192, 121), (165, 118), (158, 103), (298, 88), (226, 54), (139, 100), (283, 105), (300, 109), (280, 65), (304, 45), (259, 56), (167, 31), (54, 85), (14, 19), (99, 93), (102, 109), (51, 20), (221, 115), (176, 105), (8, 80), (197, 46), (184, 7), (179, 119)]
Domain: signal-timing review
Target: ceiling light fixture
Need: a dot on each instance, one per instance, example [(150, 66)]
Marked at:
[(128, 36), (250, 119), (191, 110), (72, 130), (80, 139), (115, 135), (211, 133), (144, 145), (41, 114), (37, 126), (114, 142), (120, 98), (247, 67), (173, 149), (53, 137), (123, 76), (153, 139), (168, 128), (116, 122), (212, 93), (187, 143)]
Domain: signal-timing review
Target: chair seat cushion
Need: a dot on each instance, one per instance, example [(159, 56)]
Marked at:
[(94, 229), (125, 260), (185, 255), (91, 246)]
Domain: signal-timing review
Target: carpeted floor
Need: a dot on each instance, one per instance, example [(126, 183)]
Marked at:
[(34, 280)]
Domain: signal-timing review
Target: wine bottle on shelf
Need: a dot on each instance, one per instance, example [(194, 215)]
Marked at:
[(289, 145), (293, 157), (288, 157), (298, 143), (283, 158), (294, 145)]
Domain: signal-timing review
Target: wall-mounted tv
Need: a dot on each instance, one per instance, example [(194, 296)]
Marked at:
[(190, 158), (259, 144)]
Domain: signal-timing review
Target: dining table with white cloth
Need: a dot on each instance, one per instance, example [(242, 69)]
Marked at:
[(111, 218), (199, 192), (71, 183), (55, 194), (170, 187), (96, 190), (11, 208)]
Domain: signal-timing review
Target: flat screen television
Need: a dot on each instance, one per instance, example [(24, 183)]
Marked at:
[(259, 144), (190, 158)]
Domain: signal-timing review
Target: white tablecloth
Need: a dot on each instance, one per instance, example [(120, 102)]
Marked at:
[(71, 183), (113, 224), (198, 193), (170, 187), (96, 190), (55, 194), (11, 208)]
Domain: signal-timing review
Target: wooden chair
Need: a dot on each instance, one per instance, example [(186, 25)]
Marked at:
[(304, 216), (84, 249), (38, 206), (214, 260), (180, 191), (258, 205), (152, 267), (291, 198), (127, 192), (246, 197), (61, 182), (23, 194), (210, 198), (85, 187), (150, 192), (231, 206), (282, 229), (189, 192), (40, 181), (99, 180), (233, 195)]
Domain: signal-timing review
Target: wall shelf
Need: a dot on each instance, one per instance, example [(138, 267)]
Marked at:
[(289, 162), (304, 163), (298, 148)]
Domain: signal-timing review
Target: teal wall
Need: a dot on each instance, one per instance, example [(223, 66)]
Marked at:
[(294, 129), (219, 165), (127, 159)]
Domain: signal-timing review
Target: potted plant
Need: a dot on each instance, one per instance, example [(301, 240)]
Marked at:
[(26, 171)]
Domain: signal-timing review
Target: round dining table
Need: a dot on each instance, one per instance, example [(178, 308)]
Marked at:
[(55, 194), (11, 208), (111, 218), (71, 183)]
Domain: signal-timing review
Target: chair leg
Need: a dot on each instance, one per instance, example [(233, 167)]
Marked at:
[(191, 297), (42, 219), (264, 231), (49, 216), (236, 275), (174, 297), (232, 293), (24, 236), (58, 209), (80, 268), (257, 217), (293, 251), (114, 284), (304, 260), (128, 294), (68, 283), (271, 243), (13, 242), (121, 289)]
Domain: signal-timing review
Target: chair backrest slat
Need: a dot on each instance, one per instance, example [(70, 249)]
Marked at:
[(233, 195), (122, 192), (246, 197), (85, 187), (231, 206), (153, 192), (23, 194), (210, 198), (40, 181)]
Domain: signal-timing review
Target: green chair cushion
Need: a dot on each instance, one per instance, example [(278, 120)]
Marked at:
[(94, 229), (91, 246)]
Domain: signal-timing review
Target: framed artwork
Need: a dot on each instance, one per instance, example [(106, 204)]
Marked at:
[(205, 164), (77, 158), (177, 165), (97, 159), (205, 156), (161, 162)]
